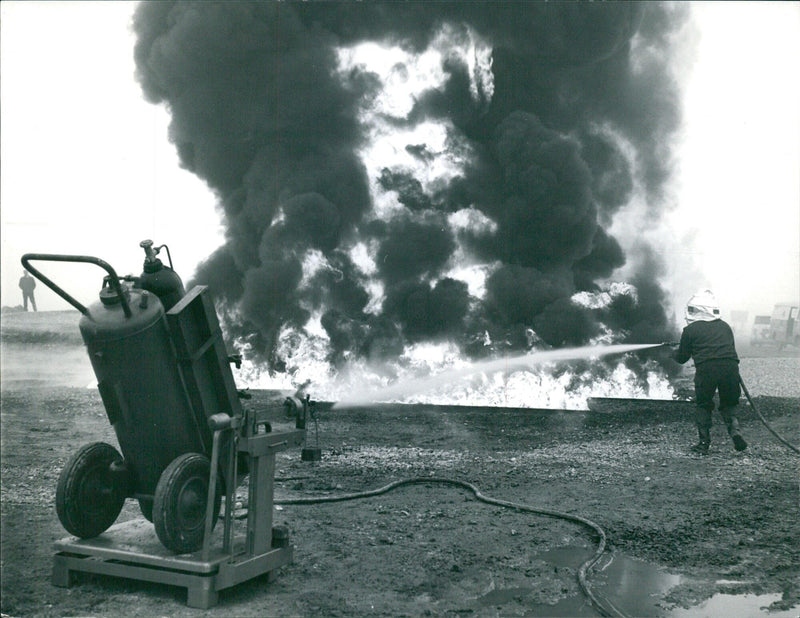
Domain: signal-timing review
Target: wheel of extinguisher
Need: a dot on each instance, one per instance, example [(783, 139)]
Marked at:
[(180, 501), (88, 500)]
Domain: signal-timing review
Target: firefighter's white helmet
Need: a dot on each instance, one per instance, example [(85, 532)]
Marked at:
[(702, 306)]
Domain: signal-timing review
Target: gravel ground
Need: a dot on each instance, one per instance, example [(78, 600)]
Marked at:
[(774, 377)]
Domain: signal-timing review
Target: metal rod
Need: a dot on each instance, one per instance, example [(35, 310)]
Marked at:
[(169, 257), (227, 545), (81, 259), (212, 494)]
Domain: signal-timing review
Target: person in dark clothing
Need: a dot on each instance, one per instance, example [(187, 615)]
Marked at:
[(27, 285), (710, 342)]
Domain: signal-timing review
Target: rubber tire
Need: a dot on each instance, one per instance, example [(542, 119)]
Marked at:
[(179, 504), (87, 499), (146, 507)]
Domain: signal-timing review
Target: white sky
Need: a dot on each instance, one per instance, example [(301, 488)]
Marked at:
[(87, 167), (738, 185)]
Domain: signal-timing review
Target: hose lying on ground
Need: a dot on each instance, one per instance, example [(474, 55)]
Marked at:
[(763, 420), (605, 608)]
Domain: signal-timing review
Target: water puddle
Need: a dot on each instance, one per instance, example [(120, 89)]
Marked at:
[(732, 605), (635, 588)]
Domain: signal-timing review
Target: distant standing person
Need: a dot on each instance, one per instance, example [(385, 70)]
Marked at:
[(27, 285), (709, 341)]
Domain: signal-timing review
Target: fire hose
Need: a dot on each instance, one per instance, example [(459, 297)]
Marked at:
[(604, 607), (780, 438), (763, 420)]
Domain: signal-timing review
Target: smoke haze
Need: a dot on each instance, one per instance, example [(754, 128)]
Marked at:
[(537, 125)]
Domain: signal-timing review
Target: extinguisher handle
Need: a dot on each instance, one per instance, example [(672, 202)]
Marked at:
[(81, 259)]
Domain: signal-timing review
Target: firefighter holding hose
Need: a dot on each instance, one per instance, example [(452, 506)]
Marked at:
[(709, 341)]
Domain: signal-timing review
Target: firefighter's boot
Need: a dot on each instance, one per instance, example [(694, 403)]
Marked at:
[(732, 423), (733, 430), (701, 448), (702, 419)]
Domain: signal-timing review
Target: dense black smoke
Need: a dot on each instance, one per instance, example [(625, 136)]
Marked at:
[(263, 112)]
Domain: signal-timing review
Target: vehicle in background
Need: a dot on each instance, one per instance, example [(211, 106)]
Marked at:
[(761, 330), (784, 327)]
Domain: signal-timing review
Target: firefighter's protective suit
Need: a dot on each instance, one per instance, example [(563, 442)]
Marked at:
[(709, 341)]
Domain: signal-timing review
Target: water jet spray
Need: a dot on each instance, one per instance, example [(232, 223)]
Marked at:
[(505, 364)]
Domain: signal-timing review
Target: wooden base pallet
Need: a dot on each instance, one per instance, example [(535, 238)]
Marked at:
[(132, 550)]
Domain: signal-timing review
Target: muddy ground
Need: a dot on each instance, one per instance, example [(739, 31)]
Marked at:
[(727, 523)]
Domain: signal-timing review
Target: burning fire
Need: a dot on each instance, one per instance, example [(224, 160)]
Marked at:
[(412, 188), (439, 374)]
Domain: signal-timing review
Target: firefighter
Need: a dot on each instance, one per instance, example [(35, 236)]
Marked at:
[(709, 341), (27, 285)]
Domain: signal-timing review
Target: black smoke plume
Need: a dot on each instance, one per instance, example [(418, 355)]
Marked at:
[(582, 109)]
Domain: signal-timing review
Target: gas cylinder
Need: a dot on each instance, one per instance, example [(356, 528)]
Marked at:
[(159, 279), (140, 383)]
